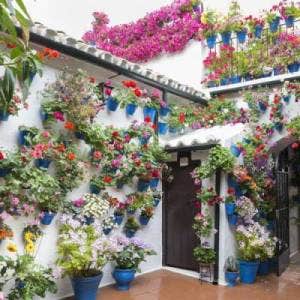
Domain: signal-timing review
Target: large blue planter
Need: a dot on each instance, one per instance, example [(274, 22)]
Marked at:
[(230, 208), (130, 233), (4, 115), (86, 288), (292, 68), (241, 36), (112, 104), (231, 278), (226, 37), (42, 163), (235, 79), (262, 106), (4, 171), (235, 150), (263, 268), (211, 41), (94, 189), (47, 218), (143, 185), (248, 271), (130, 109), (144, 220), (232, 219), (162, 128), (22, 137), (289, 21), (274, 25), (154, 183), (118, 219), (164, 111), (258, 31), (123, 278), (150, 112)]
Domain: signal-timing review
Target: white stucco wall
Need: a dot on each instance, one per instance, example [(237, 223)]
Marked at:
[(46, 253)]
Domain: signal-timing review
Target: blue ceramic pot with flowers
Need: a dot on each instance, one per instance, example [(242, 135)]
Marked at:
[(154, 183), (4, 172), (149, 112), (231, 278), (233, 219), (235, 150), (226, 37), (241, 36), (130, 233), (235, 79), (156, 201), (278, 126), (143, 185), (262, 106), (118, 219), (230, 208), (248, 271), (144, 220), (211, 41), (94, 189), (112, 104), (258, 31), (130, 109), (289, 21), (43, 163), (294, 67), (123, 278), (162, 128), (47, 217), (274, 25), (225, 81), (107, 231), (286, 98), (4, 115), (164, 111)]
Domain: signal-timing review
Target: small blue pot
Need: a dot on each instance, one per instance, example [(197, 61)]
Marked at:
[(172, 130), (235, 150), (154, 183), (86, 288), (241, 36), (107, 231), (292, 68), (144, 140), (230, 208), (289, 21), (120, 185), (123, 278), (248, 77), (235, 79), (231, 278), (232, 219), (164, 111), (211, 41), (79, 135), (150, 112), (274, 25), (156, 201), (130, 109), (4, 171), (94, 189), (248, 271), (287, 98), (20, 284), (42, 163), (226, 37), (118, 219), (258, 31), (225, 81), (144, 220), (89, 220), (162, 128), (278, 126), (112, 104), (47, 218), (4, 115), (263, 268), (143, 185), (44, 116), (262, 106), (22, 137), (232, 183), (130, 233)]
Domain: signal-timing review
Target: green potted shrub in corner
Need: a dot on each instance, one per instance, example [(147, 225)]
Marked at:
[(82, 254), (231, 271), (131, 226), (128, 258)]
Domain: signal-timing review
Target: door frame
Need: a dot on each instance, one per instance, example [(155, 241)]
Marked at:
[(217, 207)]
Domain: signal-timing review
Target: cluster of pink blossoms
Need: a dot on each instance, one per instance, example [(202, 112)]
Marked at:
[(166, 30)]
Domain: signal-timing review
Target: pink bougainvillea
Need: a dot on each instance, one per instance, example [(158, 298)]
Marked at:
[(166, 30)]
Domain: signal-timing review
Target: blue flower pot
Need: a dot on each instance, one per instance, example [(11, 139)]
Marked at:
[(226, 37), (89, 220), (211, 41), (263, 268), (164, 111), (130, 233), (144, 140), (86, 288), (130, 211), (150, 112), (47, 218), (44, 116), (248, 271), (235, 79), (258, 31), (20, 284), (287, 98), (225, 81), (248, 77), (162, 128), (241, 36), (172, 130), (156, 201), (231, 278), (154, 183), (235, 150), (4, 115), (278, 126), (144, 220), (230, 208), (274, 25), (22, 137), (292, 68), (120, 185), (277, 71), (130, 109), (289, 21), (262, 106), (232, 183), (112, 104), (143, 185), (79, 135), (42, 163), (94, 189), (123, 278), (232, 219), (107, 231), (118, 219), (4, 171)]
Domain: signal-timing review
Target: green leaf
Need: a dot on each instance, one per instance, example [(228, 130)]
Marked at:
[(23, 8)]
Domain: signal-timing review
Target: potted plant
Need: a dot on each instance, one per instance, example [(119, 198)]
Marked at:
[(31, 233), (209, 26), (231, 271), (119, 213), (230, 202), (52, 111), (156, 198), (147, 213), (108, 224), (289, 12), (206, 257), (255, 26), (128, 258), (82, 254), (238, 25), (203, 224), (273, 18), (25, 134), (8, 161), (128, 96), (225, 29), (131, 227)]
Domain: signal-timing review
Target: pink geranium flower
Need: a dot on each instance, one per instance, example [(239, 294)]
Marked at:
[(59, 116)]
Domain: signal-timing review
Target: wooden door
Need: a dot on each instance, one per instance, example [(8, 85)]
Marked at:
[(179, 211)]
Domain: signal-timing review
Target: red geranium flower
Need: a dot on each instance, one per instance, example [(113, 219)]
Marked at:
[(115, 134), (147, 119), (107, 179), (71, 156), (1, 156), (138, 92)]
